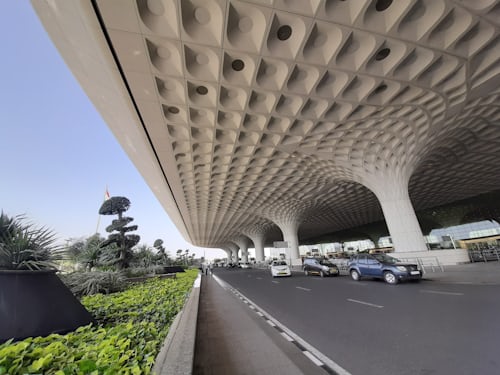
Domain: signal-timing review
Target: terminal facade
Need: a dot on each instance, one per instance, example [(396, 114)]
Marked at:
[(300, 121)]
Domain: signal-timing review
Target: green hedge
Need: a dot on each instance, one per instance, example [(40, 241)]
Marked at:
[(132, 325)]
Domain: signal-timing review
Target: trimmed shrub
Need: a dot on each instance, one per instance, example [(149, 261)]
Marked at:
[(89, 283), (132, 325)]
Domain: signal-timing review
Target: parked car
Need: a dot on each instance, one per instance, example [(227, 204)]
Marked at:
[(280, 268), (314, 266), (383, 266), (245, 265)]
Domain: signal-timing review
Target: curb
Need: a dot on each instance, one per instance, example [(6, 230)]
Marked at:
[(177, 352), (307, 349)]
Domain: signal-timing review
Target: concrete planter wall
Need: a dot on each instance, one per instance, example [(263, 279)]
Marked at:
[(37, 303)]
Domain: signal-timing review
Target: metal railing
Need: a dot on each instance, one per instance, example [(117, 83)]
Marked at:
[(426, 263), (485, 255)]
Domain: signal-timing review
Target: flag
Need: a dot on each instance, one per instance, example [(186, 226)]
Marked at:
[(106, 195)]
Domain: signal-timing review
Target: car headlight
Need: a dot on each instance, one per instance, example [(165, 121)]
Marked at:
[(401, 268)]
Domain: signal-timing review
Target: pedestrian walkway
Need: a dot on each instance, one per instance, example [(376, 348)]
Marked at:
[(470, 273), (234, 339)]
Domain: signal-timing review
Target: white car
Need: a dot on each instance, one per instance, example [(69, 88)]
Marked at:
[(280, 268)]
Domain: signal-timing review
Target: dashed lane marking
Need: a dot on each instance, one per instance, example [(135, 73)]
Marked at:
[(306, 289), (441, 292), (365, 303), (276, 282), (309, 351)]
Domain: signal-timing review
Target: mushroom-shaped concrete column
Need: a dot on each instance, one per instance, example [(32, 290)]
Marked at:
[(257, 234), (258, 243), (234, 251), (229, 254), (243, 242), (391, 189), (289, 227)]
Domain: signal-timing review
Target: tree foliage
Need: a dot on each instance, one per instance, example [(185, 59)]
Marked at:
[(114, 206), (87, 252), (163, 256), (122, 255)]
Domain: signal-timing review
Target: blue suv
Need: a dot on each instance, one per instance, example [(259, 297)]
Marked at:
[(382, 266)]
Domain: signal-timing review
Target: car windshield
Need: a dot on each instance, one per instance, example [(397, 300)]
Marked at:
[(385, 258), (282, 263), (325, 263)]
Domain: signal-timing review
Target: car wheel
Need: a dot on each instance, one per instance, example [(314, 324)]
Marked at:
[(355, 275), (390, 278), (306, 272), (321, 273)]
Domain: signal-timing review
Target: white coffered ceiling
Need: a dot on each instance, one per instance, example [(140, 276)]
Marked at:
[(245, 112)]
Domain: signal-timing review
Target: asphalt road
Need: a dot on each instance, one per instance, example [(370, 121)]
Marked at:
[(369, 327)]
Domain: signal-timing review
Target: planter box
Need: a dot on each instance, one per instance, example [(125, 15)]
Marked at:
[(37, 303)]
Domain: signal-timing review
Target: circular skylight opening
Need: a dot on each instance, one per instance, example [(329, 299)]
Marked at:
[(382, 5), (380, 89), (382, 54), (202, 90), (284, 32), (238, 65)]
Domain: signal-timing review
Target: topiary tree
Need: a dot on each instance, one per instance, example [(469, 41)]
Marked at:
[(163, 256), (118, 230)]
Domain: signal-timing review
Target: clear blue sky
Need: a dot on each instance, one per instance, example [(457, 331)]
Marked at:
[(57, 154)]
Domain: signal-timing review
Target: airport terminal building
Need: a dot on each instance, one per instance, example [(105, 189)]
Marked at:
[(302, 121)]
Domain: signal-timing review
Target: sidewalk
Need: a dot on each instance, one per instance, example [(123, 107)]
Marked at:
[(478, 273), (234, 339)]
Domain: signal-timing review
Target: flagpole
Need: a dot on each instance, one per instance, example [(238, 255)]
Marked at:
[(106, 197), (98, 222)]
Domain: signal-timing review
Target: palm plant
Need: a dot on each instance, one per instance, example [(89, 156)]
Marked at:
[(87, 252), (24, 246)]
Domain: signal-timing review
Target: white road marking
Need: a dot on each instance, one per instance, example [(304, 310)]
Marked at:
[(259, 278), (299, 287), (288, 338), (253, 308), (325, 360), (315, 360), (365, 303), (276, 282), (440, 292)]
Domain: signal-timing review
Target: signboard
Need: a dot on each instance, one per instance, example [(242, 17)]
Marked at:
[(280, 244)]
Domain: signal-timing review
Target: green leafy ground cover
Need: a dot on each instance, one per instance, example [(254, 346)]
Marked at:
[(132, 325)]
